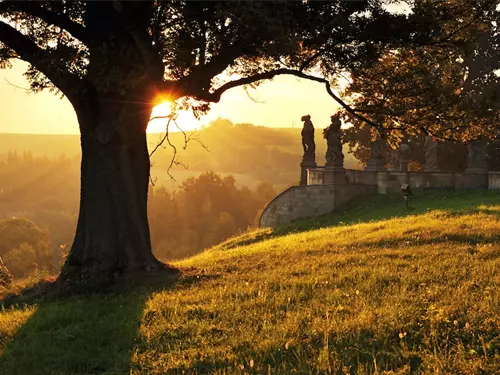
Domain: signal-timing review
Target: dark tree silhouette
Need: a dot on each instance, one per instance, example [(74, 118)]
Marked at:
[(448, 89), (114, 59)]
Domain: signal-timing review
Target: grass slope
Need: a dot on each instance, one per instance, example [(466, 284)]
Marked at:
[(377, 290)]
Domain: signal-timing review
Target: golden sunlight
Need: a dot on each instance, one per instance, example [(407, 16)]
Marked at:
[(185, 120)]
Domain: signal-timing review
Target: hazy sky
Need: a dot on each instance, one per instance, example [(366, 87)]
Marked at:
[(285, 101)]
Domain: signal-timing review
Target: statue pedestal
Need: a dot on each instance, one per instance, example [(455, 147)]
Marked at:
[(403, 166), (475, 170), (477, 157), (375, 165), (304, 166), (335, 176), (432, 169)]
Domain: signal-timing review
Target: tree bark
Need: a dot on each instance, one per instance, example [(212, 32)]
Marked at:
[(112, 236)]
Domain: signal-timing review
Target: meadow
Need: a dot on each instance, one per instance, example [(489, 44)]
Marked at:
[(376, 289)]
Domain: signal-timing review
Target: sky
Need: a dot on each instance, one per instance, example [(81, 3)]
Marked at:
[(281, 103)]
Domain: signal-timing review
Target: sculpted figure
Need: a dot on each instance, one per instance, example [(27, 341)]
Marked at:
[(431, 154), (405, 152), (333, 136), (376, 162), (395, 160), (476, 155), (377, 148), (308, 138)]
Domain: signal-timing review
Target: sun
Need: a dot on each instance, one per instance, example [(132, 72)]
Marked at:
[(185, 119)]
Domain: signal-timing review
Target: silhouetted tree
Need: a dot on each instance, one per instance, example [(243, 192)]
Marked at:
[(114, 59), (448, 89)]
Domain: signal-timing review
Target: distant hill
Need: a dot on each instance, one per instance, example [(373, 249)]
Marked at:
[(252, 153), (51, 145), (374, 290)]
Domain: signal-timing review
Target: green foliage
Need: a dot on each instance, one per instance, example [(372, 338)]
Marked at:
[(447, 89), (24, 246), (452, 156), (17, 231), (68, 41), (21, 260), (202, 212), (389, 291)]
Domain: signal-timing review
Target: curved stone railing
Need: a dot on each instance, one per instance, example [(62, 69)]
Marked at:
[(302, 202), (268, 215), (319, 198)]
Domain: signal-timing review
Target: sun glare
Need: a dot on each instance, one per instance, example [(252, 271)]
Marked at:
[(185, 120)]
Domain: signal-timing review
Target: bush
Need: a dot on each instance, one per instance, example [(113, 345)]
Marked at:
[(21, 260), (15, 231)]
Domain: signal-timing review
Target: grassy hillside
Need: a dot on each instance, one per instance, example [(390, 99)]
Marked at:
[(378, 290)]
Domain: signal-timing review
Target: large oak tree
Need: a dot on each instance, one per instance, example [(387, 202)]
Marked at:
[(113, 59)]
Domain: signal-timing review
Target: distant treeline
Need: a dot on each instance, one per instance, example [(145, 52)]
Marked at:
[(39, 207), (266, 154), (254, 153), (201, 213)]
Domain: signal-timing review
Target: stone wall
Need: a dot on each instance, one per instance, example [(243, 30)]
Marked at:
[(494, 180), (320, 197), (302, 202), (391, 181)]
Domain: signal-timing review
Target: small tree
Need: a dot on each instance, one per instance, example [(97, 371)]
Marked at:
[(21, 260), (15, 231)]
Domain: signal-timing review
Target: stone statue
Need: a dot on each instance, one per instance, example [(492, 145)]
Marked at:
[(377, 149), (394, 163), (476, 156), (333, 136), (376, 162), (431, 154), (404, 151), (308, 139)]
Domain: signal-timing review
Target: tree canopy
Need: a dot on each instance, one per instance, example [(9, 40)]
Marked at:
[(447, 89), (179, 47)]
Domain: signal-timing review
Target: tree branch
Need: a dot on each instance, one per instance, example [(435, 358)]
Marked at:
[(201, 75), (310, 60), (216, 95), (32, 8), (38, 57)]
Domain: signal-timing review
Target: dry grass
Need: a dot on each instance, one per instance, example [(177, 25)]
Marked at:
[(404, 295)]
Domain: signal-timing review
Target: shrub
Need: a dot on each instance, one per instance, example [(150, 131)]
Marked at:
[(15, 231), (21, 260)]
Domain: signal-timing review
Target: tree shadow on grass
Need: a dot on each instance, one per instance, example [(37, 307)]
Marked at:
[(81, 334)]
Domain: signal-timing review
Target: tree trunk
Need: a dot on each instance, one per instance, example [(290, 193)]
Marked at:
[(112, 236)]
